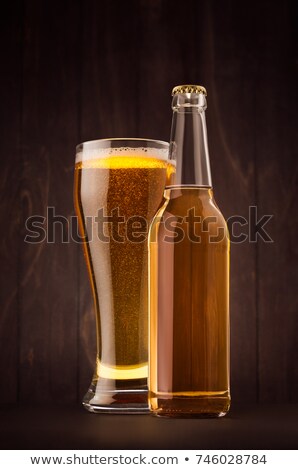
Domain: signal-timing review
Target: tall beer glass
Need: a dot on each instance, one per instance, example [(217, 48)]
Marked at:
[(118, 188)]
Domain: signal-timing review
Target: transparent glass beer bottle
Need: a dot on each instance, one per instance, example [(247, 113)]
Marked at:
[(189, 277)]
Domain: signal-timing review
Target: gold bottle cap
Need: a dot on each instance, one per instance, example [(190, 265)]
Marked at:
[(189, 89)]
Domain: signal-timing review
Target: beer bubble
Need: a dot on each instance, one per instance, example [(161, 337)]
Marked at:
[(91, 153)]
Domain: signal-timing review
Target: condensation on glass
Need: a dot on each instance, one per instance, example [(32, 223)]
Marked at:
[(119, 185)]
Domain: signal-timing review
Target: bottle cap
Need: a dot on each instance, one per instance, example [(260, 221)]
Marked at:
[(189, 89)]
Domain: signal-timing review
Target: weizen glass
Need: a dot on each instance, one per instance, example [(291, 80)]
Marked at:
[(118, 188)]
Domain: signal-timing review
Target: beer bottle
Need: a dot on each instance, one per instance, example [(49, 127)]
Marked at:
[(189, 277)]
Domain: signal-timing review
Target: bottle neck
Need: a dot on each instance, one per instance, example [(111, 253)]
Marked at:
[(189, 145)]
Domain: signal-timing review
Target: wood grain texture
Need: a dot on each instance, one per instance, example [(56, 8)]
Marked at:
[(10, 175), (85, 70), (48, 342), (247, 426), (276, 128)]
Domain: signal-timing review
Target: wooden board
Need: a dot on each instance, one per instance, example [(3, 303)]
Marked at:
[(49, 276), (75, 72), (276, 145), (10, 177), (266, 426)]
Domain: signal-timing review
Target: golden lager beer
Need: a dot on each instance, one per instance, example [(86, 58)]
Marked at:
[(189, 278), (118, 189)]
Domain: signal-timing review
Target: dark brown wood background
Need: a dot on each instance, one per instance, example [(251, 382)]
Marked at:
[(80, 70)]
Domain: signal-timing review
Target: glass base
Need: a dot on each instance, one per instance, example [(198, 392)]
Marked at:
[(190, 407), (125, 400)]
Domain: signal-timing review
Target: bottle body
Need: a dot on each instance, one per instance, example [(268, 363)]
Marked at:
[(189, 306)]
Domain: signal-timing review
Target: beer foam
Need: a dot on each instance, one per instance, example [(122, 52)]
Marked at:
[(95, 154)]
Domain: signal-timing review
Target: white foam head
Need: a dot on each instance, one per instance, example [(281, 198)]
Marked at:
[(94, 154), (106, 148)]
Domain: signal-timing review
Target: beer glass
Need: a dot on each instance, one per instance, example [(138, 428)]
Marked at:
[(118, 188)]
